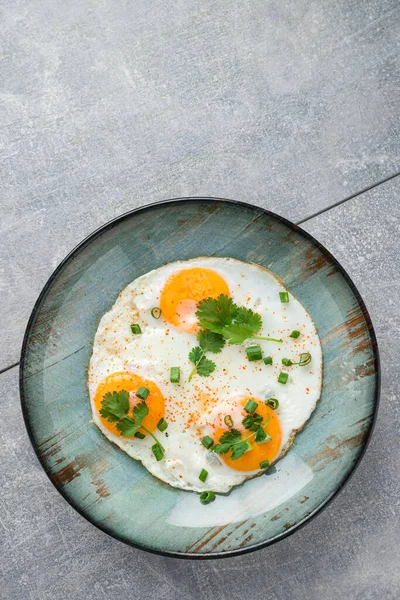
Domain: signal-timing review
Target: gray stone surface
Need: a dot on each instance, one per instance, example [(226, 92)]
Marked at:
[(108, 105), (349, 551)]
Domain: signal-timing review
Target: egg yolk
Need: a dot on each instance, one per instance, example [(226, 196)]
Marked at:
[(250, 460), (131, 383), (182, 292)]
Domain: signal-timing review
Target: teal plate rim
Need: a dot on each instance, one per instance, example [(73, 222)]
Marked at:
[(85, 242)]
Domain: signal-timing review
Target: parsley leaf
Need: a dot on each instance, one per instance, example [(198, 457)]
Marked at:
[(245, 326), (140, 411), (115, 406), (195, 355), (227, 440), (235, 323), (239, 449), (202, 365), (237, 333), (245, 316), (231, 440), (210, 341), (205, 367), (214, 314), (230, 437), (260, 435), (222, 320), (127, 427), (222, 448), (252, 422)]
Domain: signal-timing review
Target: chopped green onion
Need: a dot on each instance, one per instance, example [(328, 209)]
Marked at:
[(228, 421), (135, 328), (156, 312), (162, 425), (139, 436), (175, 374), (295, 334), (305, 359), (283, 377), (251, 406), (268, 360), (272, 403), (142, 393), (264, 464), (254, 353), (287, 362), (284, 296), (207, 442), (157, 451), (203, 475), (207, 497)]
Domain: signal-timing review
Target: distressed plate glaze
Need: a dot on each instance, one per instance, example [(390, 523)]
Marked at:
[(108, 487)]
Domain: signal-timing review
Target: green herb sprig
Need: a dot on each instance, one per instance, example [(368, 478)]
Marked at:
[(209, 341), (115, 408), (232, 440), (235, 323)]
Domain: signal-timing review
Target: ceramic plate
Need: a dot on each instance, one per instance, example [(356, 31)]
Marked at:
[(116, 493)]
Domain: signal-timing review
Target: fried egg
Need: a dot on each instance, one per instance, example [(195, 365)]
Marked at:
[(200, 407)]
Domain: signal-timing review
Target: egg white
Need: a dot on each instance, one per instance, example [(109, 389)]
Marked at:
[(161, 346)]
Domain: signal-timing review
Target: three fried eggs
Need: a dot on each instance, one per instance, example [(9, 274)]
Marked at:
[(197, 408)]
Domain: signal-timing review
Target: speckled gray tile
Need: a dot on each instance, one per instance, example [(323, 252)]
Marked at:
[(109, 105), (349, 551)]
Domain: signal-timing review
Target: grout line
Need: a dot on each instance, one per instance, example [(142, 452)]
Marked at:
[(316, 214), (367, 189), (8, 368)]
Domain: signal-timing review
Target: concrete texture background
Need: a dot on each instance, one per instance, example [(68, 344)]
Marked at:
[(293, 106)]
